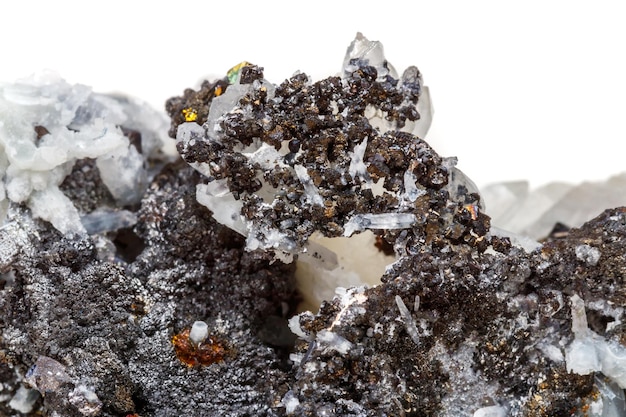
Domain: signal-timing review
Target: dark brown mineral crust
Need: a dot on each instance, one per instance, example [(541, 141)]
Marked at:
[(482, 322), (85, 188), (110, 324), (328, 153), (193, 105)]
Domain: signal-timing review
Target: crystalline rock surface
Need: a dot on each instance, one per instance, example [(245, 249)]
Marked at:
[(291, 249)]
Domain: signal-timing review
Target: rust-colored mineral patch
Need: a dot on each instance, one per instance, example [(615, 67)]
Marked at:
[(206, 353)]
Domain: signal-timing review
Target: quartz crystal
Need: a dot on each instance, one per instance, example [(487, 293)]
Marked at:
[(514, 207), (48, 124)]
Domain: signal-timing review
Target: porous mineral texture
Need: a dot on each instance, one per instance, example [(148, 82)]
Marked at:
[(109, 324), (335, 156), (479, 329), (179, 297)]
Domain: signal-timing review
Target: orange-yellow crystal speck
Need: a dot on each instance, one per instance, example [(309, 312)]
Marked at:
[(190, 114)]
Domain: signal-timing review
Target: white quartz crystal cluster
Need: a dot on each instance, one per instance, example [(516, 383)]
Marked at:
[(515, 207), (363, 48), (589, 352), (47, 124)]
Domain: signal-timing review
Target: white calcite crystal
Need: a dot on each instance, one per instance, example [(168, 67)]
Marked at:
[(122, 171), (491, 411), (332, 341), (611, 402), (290, 402), (52, 205), (226, 209), (85, 400), (407, 318), (515, 207), (312, 194), (199, 332), (47, 124), (294, 325), (357, 166), (588, 254), (590, 352), (102, 220), (24, 400)]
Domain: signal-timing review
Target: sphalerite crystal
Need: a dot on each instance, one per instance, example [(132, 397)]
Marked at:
[(136, 283)]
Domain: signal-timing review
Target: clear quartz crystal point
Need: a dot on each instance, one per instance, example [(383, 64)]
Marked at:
[(412, 79), (363, 49), (386, 221), (459, 184)]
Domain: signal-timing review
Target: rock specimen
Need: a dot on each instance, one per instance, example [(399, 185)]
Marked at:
[(285, 161), (170, 288)]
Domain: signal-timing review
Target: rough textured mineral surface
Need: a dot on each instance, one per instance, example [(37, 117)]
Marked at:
[(452, 330), (335, 156), (180, 297), (108, 323)]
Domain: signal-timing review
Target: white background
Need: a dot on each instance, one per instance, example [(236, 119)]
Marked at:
[(526, 90)]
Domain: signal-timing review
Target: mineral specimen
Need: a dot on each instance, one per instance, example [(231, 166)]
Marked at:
[(136, 284), (336, 153)]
